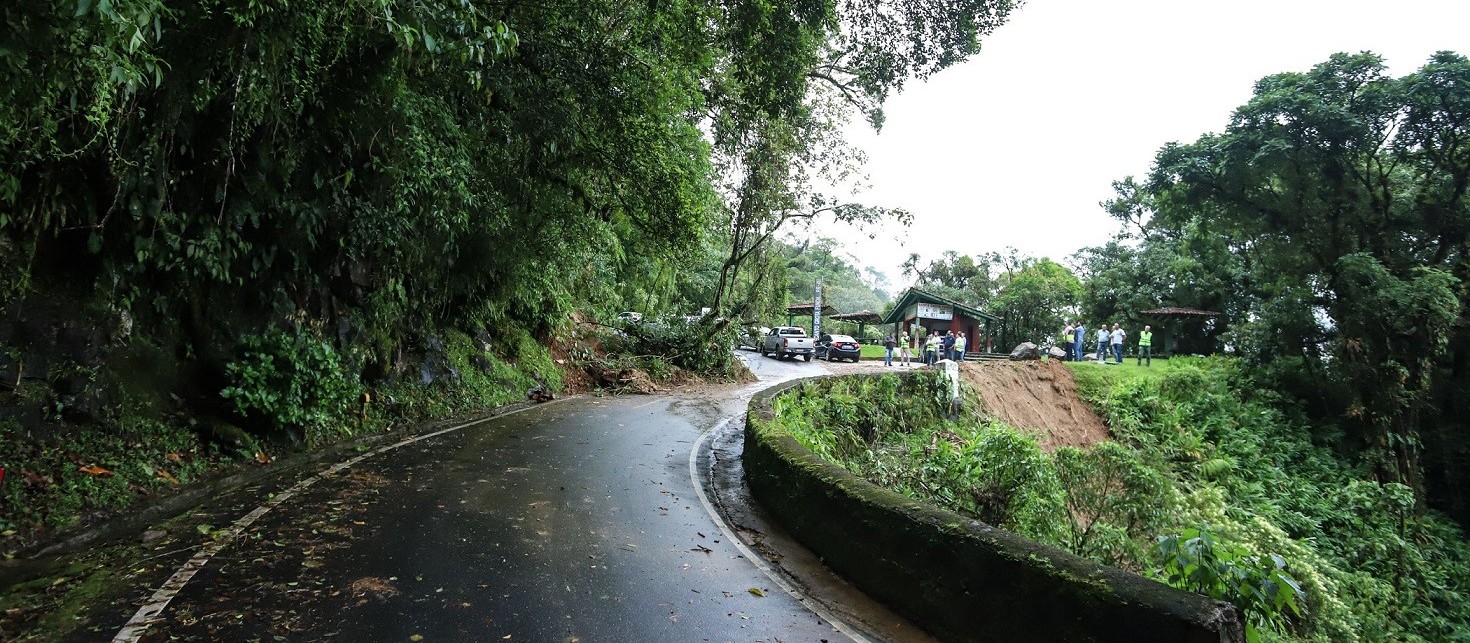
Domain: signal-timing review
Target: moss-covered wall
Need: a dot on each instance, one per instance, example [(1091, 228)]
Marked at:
[(961, 579)]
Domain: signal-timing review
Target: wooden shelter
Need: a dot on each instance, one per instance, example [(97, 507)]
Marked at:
[(805, 308), (921, 308), (1167, 313)]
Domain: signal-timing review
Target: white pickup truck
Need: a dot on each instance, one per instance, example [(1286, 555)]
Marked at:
[(788, 341)]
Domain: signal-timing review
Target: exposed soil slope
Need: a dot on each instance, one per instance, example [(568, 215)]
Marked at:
[(1038, 397)]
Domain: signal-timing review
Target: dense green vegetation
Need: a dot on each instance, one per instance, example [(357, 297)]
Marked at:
[(1327, 222), (126, 455), (1033, 296), (1327, 225), (252, 215), (229, 229), (845, 286), (1211, 482), (788, 273)]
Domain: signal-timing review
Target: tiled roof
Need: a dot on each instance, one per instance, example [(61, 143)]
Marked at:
[(866, 316), (1177, 311), (806, 307)]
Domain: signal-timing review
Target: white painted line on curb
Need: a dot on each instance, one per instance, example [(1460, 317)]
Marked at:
[(148, 614), (746, 551)]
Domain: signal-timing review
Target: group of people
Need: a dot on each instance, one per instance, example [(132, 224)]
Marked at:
[(949, 346), (1076, 338)]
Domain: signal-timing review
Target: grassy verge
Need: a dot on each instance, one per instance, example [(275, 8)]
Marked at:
[(73, 475)]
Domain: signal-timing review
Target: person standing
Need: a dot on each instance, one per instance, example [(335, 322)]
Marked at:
[(1066, 340), (903, 349), (947, 345), (1118, 336), (930, 345), (888, 344), (959, 348), (1146, 345), (1102, 343), (1079, 337)]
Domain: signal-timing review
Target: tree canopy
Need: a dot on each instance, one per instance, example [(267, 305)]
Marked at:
[(1330, 221), (396, 162)]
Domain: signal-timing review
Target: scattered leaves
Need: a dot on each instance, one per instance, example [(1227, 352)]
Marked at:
[(756, 591), (371, 587), (95, 470)]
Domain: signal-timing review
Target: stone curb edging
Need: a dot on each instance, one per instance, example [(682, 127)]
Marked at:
[(959, 578)]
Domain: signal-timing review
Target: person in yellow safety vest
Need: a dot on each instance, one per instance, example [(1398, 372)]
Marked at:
[(1146, 346)]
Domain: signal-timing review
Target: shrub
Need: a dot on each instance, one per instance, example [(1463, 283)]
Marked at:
[(293, 381), (1258, 585), (1115, 502)]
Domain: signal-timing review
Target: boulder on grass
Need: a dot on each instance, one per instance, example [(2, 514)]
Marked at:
[(1026, 350), (1056, 353)]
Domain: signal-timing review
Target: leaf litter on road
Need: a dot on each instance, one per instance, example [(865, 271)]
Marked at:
[(372, 588)]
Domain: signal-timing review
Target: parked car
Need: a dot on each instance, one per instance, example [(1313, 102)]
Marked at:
[(831, 347), (630, 316), (788, 341), (752, 337)]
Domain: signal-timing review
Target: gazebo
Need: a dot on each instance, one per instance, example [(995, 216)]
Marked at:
[(1167, 313), (861, 318), (807, 309)]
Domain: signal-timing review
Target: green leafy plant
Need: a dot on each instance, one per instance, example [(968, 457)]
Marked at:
[(1114, 499), (46, 488), (1260, 586), (294, 381)]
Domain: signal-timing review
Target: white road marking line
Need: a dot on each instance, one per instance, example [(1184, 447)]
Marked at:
[(148, 614), (750, 555)]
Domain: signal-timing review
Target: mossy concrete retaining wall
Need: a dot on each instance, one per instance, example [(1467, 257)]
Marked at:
[(958, 578)]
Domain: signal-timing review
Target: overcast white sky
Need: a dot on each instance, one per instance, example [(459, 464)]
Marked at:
[(1016, 146)]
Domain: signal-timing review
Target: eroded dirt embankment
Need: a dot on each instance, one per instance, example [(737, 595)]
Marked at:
[(1038, 397)]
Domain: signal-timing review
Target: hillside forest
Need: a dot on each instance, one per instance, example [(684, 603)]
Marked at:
[(231, 229)]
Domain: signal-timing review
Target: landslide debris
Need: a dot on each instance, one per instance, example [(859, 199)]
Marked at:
[(1039, 397)]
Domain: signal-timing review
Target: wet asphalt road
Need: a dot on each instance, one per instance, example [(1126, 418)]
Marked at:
[(573, 521)]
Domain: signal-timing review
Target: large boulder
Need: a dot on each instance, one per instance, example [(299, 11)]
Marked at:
[(1056, 353), (1026, 350)]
